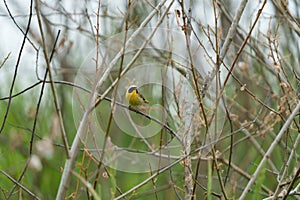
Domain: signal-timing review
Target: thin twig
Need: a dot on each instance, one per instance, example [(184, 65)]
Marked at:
[(151, 177), (53, 89), (240, 171), (129, 41), (4, 60), (19, 185), (217, 167), (270, 150), (17, 25), (228, 39), (87, 185), (17, 67), (140, 50), (293, 182), (286, 167)]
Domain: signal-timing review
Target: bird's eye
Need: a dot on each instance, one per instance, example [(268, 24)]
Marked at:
[(131, 89)]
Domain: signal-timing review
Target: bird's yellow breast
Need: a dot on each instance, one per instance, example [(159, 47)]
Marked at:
[(133, 98)]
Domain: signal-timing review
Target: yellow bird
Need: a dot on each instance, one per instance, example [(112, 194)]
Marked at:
[(133, 96)]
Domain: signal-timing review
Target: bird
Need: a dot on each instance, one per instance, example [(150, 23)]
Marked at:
[(134, 97)]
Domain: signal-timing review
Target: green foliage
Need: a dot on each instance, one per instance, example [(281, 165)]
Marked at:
[(260, 180), (260, 95)]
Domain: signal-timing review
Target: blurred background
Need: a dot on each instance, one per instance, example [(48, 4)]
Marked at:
[(238, 60)]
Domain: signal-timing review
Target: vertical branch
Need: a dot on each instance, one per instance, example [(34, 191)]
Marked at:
[(97, 35), (53, 89), (228, 39), (216, 107), (188, 110)]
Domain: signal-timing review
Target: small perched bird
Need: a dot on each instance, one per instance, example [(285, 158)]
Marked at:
[(135, 98)]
